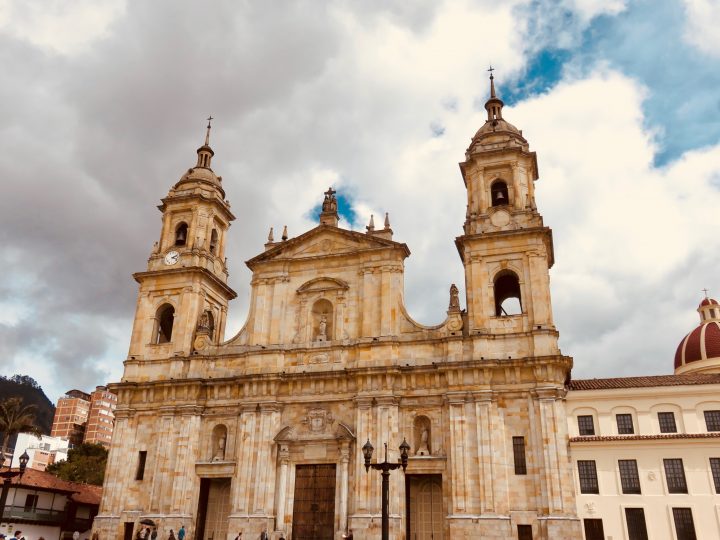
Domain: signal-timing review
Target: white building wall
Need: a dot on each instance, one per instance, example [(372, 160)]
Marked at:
[(649, 447)]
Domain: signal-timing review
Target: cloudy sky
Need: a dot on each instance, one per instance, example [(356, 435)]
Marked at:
[(103, 105)]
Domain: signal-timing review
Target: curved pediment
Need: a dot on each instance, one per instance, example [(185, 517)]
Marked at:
[(321, 284)]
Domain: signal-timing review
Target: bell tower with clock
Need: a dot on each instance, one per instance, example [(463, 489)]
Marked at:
[(183, 297)]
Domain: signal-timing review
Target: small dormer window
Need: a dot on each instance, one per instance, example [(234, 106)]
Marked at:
[(213, 241), (499, 193), (181, 234)]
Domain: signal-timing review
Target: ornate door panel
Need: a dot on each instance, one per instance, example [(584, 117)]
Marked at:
[(426, 508), (314, 504)]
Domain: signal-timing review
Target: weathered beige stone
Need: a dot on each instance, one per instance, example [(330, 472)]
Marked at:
[(329, 358)]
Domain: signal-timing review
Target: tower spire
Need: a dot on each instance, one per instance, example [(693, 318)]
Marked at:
[(493, 105), (492, 82), (205, 153), (207, 133)]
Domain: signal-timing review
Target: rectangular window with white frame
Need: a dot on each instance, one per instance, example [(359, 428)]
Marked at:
[(625, 424), (675, 475), (712, 420), (667, 422), (629, 477)]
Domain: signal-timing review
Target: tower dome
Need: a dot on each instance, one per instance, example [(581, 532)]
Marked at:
[(700, 349)]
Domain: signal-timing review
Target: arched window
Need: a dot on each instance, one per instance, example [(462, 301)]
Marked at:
[(164, 320), (499, 193), (181, 234), (507, 294), (213, 241)]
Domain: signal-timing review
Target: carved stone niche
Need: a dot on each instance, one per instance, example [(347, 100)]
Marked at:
[(218, 463), (323, 321)]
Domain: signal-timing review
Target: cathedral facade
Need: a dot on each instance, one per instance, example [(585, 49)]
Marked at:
[(264, 432)]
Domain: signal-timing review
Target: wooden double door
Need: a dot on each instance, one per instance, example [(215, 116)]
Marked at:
[(314, 503), (425, 516)]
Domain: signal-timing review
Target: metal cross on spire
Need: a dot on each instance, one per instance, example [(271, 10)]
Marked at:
[(706, 292), (492, 82), (209, 127)]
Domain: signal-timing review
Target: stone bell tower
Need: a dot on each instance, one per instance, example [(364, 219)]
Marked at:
[(183, 297), (506, 249)]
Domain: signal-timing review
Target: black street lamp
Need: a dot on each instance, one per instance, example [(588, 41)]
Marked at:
[(7, 477), (386, 467)]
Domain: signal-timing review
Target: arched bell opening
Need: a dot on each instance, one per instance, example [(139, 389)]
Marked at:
[(181, 234), (213, 241), (508, 300), (164, 318), (499, 193)]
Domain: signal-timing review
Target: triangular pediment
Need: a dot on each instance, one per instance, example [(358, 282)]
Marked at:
[(325, 241)]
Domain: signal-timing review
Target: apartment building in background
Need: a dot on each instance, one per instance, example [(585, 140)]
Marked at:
[(82, 417)]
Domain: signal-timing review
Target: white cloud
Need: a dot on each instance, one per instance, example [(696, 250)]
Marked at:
[(701, 28), (57, 25), (628, 235)]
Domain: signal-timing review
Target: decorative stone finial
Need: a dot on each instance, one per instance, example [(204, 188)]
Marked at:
[(284, 233), (329, 213), (387, 221), (271, 236)]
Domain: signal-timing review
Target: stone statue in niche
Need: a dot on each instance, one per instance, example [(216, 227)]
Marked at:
[(423, 449), (220, 452), (422, 436), (322, 329), (454, 298), (204, 322)]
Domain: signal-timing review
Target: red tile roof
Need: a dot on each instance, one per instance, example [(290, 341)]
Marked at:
[(661, 436), (81, 493), (648, 381)]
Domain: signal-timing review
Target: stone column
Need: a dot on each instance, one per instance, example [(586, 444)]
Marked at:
[(386, 301), (551, 476), (344, 462), (364, 432), (244, 475), (264, 480), (284, 456), (456, 403), (483, 402), (367, 305)]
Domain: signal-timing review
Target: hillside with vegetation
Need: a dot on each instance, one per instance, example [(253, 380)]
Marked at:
[(31, 393)]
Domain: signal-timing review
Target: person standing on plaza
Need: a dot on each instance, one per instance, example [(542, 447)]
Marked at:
[(181, 533), (171, 536)]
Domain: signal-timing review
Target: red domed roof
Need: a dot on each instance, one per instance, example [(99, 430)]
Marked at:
[(700, 344), (708, 302)]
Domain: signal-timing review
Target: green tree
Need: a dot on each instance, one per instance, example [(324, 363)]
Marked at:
[(85, 463), (16, 418)]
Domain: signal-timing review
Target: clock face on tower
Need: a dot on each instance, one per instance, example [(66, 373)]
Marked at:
[(171, 257)]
